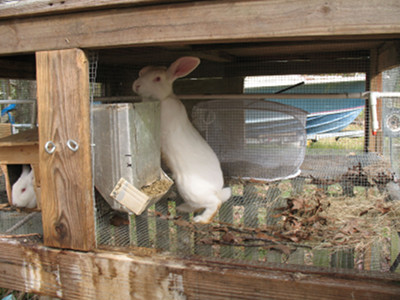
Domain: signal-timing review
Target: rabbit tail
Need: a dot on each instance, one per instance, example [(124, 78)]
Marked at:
[(225, 194)]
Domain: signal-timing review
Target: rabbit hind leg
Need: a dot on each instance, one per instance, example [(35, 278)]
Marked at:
[(208, 214)]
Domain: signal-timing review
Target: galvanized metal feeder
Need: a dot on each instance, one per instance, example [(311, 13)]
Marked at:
[(127, 154)]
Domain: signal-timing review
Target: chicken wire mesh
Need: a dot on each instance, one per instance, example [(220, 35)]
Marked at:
[(337, 213)]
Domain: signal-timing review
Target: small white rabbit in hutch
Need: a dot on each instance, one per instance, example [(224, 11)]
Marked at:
[(23, 192), (194, 165)]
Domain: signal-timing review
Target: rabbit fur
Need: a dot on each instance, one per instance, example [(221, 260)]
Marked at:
[(194, 165), (23, 192)]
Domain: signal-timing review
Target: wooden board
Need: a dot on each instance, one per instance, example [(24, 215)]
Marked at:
[(5, 129), (66, 176), (27, 137), (137, 275), (21, 148), (35, 7), (19, 154), (201, 22)]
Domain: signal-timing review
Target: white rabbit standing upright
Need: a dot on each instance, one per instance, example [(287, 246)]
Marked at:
[(194, 165), (23, 192)]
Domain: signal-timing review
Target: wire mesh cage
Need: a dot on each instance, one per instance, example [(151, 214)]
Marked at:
[(253, 138), (298, 196), (336, 213)]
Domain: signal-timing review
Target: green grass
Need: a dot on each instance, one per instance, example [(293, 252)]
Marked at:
[(356, 144), (345, 143)]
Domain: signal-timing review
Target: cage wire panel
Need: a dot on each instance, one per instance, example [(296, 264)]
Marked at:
[(336, 213), (255, 139), (18, 112), (17, 103), (391, 118)]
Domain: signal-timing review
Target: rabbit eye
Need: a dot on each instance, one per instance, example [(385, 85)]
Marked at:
[(157, 79)]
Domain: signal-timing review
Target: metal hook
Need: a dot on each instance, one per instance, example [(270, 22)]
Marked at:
[(72, 145), (50, 147)]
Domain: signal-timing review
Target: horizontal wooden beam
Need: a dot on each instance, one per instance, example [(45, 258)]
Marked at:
[(140, 275), (295, 49), (203, 22), (21, 8)]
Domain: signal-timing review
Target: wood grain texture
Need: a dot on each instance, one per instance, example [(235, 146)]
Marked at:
[(21, 8), (203, 22), (122, 275), (27, 137), (19, 154), (5, 129), (21, 148), (66, 176)]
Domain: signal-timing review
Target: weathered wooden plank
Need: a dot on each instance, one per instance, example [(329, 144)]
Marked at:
[(97, 275), (66, 176), (299, 50), (202, 21), (27, 137), (19, 154), (21, 148), (325, 66), (5, 130), (22, 8)]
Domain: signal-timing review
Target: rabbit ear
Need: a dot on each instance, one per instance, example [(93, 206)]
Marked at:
[(182, 67), (144, 70), (25, 169)]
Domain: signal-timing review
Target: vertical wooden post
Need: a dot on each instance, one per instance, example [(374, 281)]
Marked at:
[(66, 175)]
